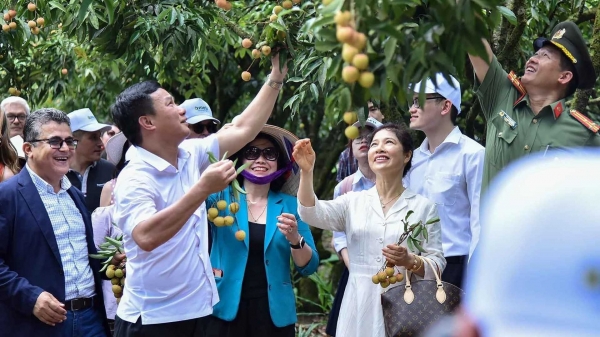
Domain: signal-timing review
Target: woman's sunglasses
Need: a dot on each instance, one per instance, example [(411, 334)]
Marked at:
[(269, 153)]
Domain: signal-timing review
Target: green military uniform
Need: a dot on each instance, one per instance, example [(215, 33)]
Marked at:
[(513, 130)]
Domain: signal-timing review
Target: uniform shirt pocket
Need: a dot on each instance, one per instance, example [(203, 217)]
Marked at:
[(443, 187)]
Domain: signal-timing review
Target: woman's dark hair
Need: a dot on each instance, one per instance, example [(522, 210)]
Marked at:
[(403, 136), (8, 152), (122, 163), (282, 161)]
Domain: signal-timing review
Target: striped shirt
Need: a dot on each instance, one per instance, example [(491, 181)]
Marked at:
[(69, 230)]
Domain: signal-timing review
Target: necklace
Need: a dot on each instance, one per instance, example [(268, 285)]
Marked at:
[(261, 213), (385, 204)]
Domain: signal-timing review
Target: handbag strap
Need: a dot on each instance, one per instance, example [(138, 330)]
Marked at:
[(440, 294)]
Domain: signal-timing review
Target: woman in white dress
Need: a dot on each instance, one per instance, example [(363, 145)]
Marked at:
[(372, 222)]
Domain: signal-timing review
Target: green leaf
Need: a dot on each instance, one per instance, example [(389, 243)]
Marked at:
[(425, 234), (389, 49), (410, 244), (277, 26), (323, 75), (333, 7), (85, 4), (408, 214), (296, 79), (241, 168), (211, 157), (326, 46), (345, 102), (419, 247), (417, 231), (508, 14), (432, 221), (173, 16), (315, 91), (56, 5), (163, 15), (534, 15), (110, 10), (224, 156)]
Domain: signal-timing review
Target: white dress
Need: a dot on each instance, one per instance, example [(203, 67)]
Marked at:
[(360, 215)]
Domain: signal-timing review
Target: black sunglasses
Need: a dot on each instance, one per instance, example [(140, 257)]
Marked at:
[(269, 153), (199, 128)]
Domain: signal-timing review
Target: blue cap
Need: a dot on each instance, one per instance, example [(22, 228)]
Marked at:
[(197, 110)]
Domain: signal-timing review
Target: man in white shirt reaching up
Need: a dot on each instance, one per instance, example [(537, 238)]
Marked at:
[(159, 205), (447, 168)]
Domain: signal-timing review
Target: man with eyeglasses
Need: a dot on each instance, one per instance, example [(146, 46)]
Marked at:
[(89, 172), (16, 110), (346, 164), (199, 118), (49, 286), (447, 168)]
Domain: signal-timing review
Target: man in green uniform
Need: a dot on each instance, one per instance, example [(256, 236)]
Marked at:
[(530, 114)]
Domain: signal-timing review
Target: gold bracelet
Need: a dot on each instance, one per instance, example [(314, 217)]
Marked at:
[(417, 264)]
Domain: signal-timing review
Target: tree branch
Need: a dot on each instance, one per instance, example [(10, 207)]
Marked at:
[(507, 56), (235, 28)]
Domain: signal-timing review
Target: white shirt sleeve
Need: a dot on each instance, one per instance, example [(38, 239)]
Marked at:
[(200, 148), (339, 238), (474, 176), (134, 203)]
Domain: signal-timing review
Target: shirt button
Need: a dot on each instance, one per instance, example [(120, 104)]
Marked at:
[(267, 262), (499, 134), (380, 240), (378, 258), (534, 121), (269, 287), (526, 147)]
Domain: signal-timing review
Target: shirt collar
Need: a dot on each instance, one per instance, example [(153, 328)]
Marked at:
[(87, 169), (43, 186), (358, 175), (557, 107), (159, 163), (453, 137)]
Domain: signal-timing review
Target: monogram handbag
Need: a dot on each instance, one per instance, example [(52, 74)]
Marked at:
[(408, 310)]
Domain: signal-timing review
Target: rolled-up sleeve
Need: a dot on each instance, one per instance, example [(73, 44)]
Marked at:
[(326, 214)]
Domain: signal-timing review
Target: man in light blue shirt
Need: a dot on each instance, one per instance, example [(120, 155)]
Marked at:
[(447, 169)]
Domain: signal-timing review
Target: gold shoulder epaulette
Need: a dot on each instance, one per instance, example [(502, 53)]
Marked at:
[(585, 120), (518, 85)]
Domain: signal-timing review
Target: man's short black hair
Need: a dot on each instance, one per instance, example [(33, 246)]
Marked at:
[(130, 105)]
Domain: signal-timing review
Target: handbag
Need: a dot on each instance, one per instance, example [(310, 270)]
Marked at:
[(408, 310)]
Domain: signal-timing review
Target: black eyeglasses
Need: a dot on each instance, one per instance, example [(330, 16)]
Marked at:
[(415, 101), (11, 117), (57, 142), (199, 128), (269, 153)]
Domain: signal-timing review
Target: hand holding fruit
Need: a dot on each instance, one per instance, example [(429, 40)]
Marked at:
[(118, 260), (398, 255), (288, 226), (217, 176), (304, 155), (276, 74)]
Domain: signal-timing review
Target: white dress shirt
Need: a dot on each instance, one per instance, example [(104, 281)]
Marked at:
[(451, 177), (173, 282)]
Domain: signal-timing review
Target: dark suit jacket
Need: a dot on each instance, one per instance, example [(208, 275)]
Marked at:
[(29, 258), (97, 177)]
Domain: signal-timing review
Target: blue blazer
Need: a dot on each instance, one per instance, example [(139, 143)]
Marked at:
[(231, 256), (30, 261)]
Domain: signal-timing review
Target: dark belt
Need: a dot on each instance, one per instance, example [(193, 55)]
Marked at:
[(79, 304), (456, 259)]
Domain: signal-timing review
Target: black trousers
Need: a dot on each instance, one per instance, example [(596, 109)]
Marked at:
[(455, 270), (253, 320), (190, 328)]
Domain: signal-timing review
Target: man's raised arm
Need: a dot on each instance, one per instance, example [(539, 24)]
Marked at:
[(480, 65), (249, 123)]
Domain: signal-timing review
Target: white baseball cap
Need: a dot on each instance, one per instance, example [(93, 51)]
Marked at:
[(372, 122), (449, 91), (197, 110), (84, 120), (536, 269)]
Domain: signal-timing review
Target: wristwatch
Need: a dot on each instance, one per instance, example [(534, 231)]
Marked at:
[(273, 84), (300, 244)]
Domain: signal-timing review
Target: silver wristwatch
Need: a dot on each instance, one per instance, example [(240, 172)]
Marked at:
[(273, 84)]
